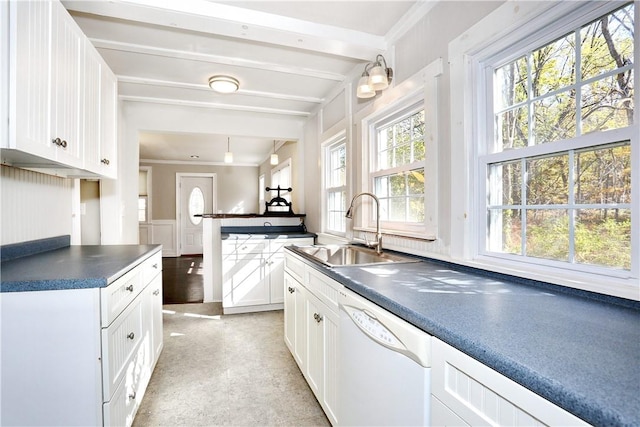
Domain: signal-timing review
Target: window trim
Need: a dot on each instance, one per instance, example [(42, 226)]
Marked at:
[(148, 170), (466, 54), (326, 147), (423, 95)]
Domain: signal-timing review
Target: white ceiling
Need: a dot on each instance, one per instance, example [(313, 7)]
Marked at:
[(287, 55)]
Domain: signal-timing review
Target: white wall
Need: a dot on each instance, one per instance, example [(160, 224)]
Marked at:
[(33, 205), (412, 51)]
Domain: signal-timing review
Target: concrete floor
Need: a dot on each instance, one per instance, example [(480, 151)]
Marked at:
[(232, 370)]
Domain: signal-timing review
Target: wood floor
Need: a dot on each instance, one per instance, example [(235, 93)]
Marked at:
[(182, 281)]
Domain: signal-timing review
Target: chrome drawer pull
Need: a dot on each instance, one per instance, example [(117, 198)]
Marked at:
[(155, 265), (291, 290), (129, 288), (132, 396), (156, 292), (131, 335), (317, 317)]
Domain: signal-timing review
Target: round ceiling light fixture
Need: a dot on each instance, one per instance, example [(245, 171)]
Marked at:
[(223, 84)]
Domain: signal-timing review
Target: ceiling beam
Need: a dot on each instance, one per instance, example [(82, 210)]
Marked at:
[(231, 21), (214, 59), (213, 105), (203, 87)]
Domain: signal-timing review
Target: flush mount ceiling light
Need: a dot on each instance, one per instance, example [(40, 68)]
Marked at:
[(223, 84), (376, 76), (228, 156), (274, 156)]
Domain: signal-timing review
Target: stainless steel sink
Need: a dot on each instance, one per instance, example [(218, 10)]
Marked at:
[(345, 255)]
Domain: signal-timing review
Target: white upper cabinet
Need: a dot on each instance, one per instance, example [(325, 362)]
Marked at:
[(60, 115)]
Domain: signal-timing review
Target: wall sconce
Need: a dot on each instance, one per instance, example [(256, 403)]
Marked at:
[(376, 76), (228, 156), (223, 84), (274, 156)]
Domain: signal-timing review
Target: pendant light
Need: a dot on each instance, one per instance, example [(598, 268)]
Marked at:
[(274, 156), (228, 156)]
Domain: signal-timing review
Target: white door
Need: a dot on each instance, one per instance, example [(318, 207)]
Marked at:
[(196, 197)]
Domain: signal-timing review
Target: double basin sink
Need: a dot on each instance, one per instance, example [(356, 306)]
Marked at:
[(346, 255)]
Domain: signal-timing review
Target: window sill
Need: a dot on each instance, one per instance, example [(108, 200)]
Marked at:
[(422, 236), (628, 288)]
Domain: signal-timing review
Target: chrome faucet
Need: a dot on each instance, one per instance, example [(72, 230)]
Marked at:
[(378, 244)]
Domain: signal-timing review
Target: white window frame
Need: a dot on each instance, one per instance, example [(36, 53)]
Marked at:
[(419, 92), (530, 26), (327, 147)]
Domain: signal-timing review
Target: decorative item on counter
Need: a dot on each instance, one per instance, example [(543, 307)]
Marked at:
[(278, 203)]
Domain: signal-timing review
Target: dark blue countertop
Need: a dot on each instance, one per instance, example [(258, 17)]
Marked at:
[(265, 232), (576, 349), (71, 267)]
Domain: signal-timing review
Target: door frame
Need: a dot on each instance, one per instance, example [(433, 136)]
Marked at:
[(214, 202)]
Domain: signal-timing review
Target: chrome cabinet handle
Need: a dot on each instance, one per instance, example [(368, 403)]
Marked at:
[(132, 396), (131, 335), (105, 161), (129, 288), (59, 142), (317, 317), (155, 265), (291, 290), (156, 292)]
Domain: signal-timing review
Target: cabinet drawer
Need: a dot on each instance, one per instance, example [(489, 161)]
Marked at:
[(276, 245), (118, 295), (325, 288), (120, 341), (151, 267), (243, 246), (294, 266)]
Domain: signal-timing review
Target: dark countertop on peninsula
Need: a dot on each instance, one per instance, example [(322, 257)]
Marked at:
[(265, 232), (72, 267), (579, 350), (252, 215)]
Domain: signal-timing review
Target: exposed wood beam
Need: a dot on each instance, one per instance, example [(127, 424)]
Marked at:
[(255, 93), (231, 21)]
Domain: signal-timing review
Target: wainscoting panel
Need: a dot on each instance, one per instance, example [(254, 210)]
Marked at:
[(163, 232)]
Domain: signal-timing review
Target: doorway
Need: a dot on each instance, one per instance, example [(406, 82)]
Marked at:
[(195, 195)]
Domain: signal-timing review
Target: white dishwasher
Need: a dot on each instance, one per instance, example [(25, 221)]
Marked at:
[(384, 370)]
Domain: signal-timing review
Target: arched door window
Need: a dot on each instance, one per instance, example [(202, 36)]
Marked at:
[(196, 205)]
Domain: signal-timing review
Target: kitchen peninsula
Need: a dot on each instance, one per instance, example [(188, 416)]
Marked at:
[(243, 258)]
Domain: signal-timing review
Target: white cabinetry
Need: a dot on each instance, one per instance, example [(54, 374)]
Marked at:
[(253, 273), (311, 329), (57, 103), (81, 356), (467, 392)]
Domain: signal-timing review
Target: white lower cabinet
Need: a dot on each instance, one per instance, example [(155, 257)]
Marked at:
[(253, 273), (467, 392), (81, 356), (311, 329)]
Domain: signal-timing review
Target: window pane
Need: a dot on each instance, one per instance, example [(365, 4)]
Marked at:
[(398, 209), (505, 182), (553, 66), (511, 83), (415, 181), (554, 118), (607, 43), (548, 180), (398, 185), (608, 103), (604, 175), (196, 205), (505, 231), (548, 234), (603, 237), (415, 211), (417, 129), (513, 128), (142, 209)]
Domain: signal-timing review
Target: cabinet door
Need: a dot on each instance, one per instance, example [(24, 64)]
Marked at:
[(92, 109), (301, 339), (156, 318), (290, 286), (109, 123), (315, 349), (244, 280), (276, 277), (30, 65), (67, 43)]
